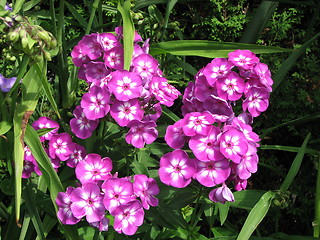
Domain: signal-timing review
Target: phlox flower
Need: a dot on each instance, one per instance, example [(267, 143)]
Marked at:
[(81, 126), (256, 101), (28, 168), (128, 217), (176, 169), (230, 87), (145, 65), (87, 201), (264, 74), (79, 54), (211, 173), (192, 106), (152, 111), (64, 202), (174, 136), (206, 147), (95, 71), (219, 67), (45, 122), (78, 154), (114, 58), (102, 225), (61, 146), (141, 133), (92, 168), (95, 103), (124, 112), (221, 194), (92, 47), (117, 191), (219, 108), (243, 58), (202, 90), (125, 85), (197, 123), (107, 41), (146, 188), (188, 94)]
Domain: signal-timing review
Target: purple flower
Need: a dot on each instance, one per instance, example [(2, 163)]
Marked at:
[(78, 154), (81, 126), (107, 41), (95, 71), (6, 83), (174, 136), (61, 146), (87, 201), (230, 87), (145, 65), (128, 217), (64, 202), (256, 101), (197, 123), (146, 188), (45, 122), (243, 58), (93, 48), (221, 194), (176, 169), (102, 225), (219, 108), (93, 168), (141, 133), (114, 58), (219, 67)]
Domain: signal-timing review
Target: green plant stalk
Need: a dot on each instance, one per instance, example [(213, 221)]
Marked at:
[(316, 223), (95, 6), (170, 5)]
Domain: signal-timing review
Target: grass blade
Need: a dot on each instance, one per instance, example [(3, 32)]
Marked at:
[(77, 16)]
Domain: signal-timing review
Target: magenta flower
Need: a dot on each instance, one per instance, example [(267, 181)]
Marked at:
[(81, 126), (264, 74), (206, 147), (197, 123), (128, 217), (145, 65), (108, 41), (176, 169), (125, 85), (92, 168), (219, 67), (174, 136), (64, 202), (61, 146), (221, 194), (211, 173), (45, 122), (124, 112), (146, 188), (118, 191), (256, 101), (141, 133), (92, 47), (95, 103), (78, 154), (28, 168), (79, 55), (230, 87), (219, 108), (95, 71), (87, 201), (233, 144), (114, 58), (202, 89), (243, 58), (102, 225)]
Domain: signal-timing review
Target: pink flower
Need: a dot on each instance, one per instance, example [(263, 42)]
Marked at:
[(108, 41), (256, 101), (95, 71), (118, 191), (93, 168), (197, 123), (81, 126), (45, 122), (87, 201), (146, 188), (221, 194), (219, 67), (176, 169), (64, 202), (243, 58), (145, 65), (128, 217), (230, 87), (78, 154), (61, 146), (95, 103), (219, 108), (114, 58), (174, 136), (141, 133), (102, 225), (92, 47)]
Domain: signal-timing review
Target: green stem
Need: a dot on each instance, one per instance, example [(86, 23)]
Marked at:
[(316, 223), (193, 221), (93, 12)]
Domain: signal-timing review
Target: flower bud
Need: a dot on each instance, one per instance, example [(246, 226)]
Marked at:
[(13, 36), (44, 36), (47, 55)]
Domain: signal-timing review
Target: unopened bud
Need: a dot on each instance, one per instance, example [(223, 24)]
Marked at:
[(47, 55), (44, 36), (22, 33), (18, 18), (13, 36)]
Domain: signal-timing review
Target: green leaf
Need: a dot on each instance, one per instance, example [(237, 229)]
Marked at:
[(295, 166), (172, 116), (289, 149), (283, 236), (256, 215), (246, 199), (28, 5), (128, 32), (139, 168), (5, 127), (145, 3), (223, 211), (17, 6), (76, 15), (207, 49)]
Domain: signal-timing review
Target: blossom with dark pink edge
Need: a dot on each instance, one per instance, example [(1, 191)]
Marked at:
[(230, 87), (114, 58), (125, 85), (95, 103), (188, 94), (78, 154), (102, 225), (93, 169), (61, 146), (146, 189), (243, 58), (202, 90), (45, 122), (79, 55), (117, 191), (240, 184), (256, 101), (128, 217), (212, 173), (197, 123), (174, 136), (108, 41), (192, 106), (87, 201), (64, 202), (233, 144), (145, 65), (176, 169), (221, 194), (124, 112), (219, 108), (264, 74), (206, 147), (81, 126), (93, 48), (141, 133), (219, 67), (95, 71)]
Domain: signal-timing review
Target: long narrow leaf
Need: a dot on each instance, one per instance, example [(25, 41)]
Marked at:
[(76, 15), (289, 149), (256, 215), (295, 166)]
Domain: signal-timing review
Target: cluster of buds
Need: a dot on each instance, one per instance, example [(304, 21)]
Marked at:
[(133, 98), (99, 193), (224, 145), (24, 36)]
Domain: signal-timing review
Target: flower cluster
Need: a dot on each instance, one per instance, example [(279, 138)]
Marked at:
[(224, 145), (133, 98)]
